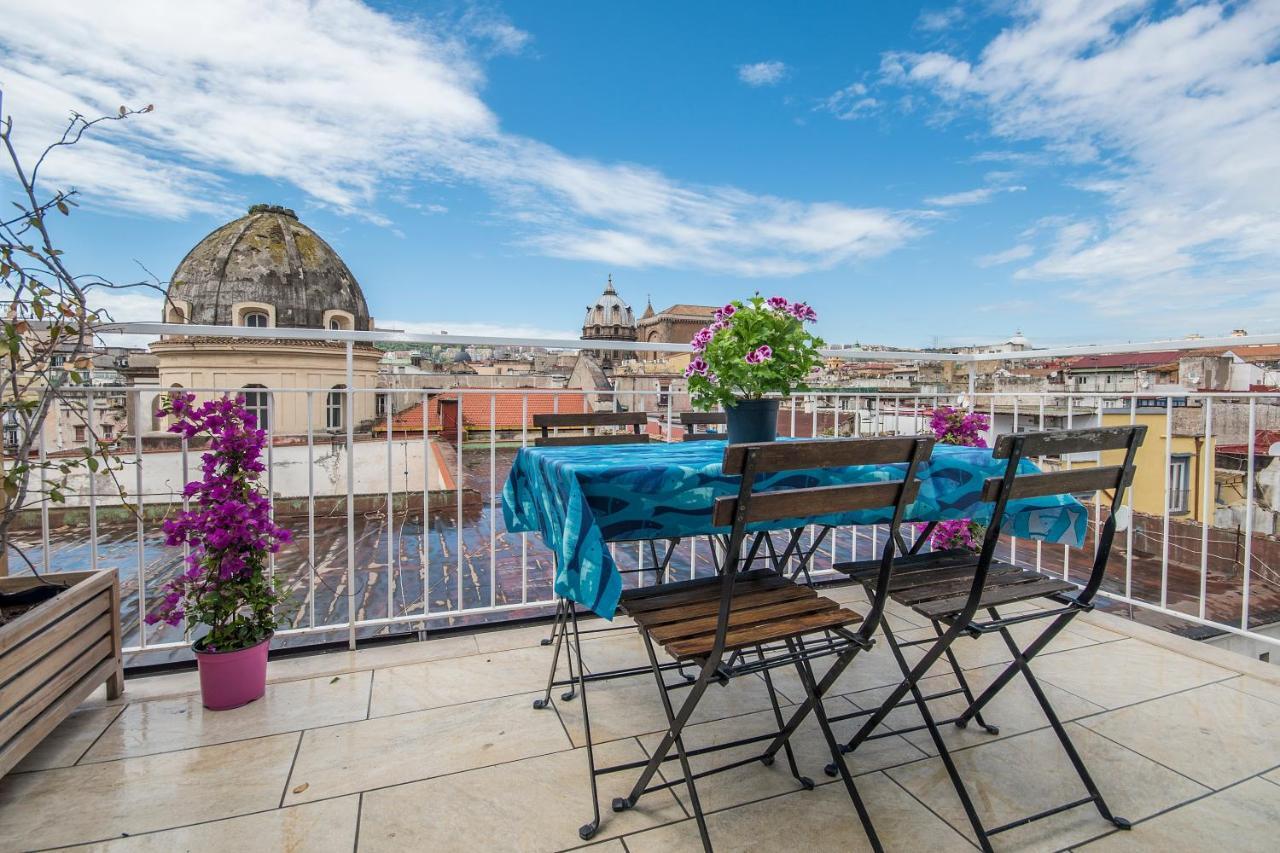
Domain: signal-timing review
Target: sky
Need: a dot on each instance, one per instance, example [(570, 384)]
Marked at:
[(935, 174)]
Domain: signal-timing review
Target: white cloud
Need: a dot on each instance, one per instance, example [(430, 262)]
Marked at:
[(981, 195), (937, 20), (762, 73), (1008, 256), (851, 102), (1174, 111), (350, 105)]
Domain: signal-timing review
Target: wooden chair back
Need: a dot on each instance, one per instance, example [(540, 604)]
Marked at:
[(588, 422)]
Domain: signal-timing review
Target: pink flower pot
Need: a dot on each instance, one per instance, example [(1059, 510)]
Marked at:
[(231, 679)]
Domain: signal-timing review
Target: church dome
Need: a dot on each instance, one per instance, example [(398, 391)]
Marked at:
[(270, 265), (608, 312)]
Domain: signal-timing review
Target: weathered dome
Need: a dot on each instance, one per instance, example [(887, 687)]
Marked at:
[(609, 310), (269, 258)]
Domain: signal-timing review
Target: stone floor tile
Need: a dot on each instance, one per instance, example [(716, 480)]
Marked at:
[(1018, 776), (164, 725), (1213, 734), (371, 657), (328, 827), (1014, 710), (1116, 674), (529, 805), (823, 819), (1256, 687), (1242, 818), (755, 781), (73, 736), (386, 751), (90, 802), (438, 683)]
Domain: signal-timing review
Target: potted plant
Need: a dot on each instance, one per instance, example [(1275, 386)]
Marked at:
[(963, 429), (230, 534), (753, 349)]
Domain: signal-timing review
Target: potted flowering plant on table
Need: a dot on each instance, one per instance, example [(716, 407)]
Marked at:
[(755, 348), (963, 429), (228, 530)]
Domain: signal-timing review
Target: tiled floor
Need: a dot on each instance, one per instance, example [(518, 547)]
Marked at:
[(435, 746)]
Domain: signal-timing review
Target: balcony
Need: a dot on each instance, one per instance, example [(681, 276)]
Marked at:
[(369, 731), (433, 745)]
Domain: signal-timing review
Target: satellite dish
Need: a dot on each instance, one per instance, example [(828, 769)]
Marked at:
[(1274, 450)]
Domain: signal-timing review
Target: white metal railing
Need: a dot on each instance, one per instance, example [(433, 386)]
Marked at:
[(381, 547)]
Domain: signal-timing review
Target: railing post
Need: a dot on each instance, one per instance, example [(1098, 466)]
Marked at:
[(351, 497)]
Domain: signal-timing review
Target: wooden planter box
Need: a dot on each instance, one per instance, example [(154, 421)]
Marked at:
[(53, 656)]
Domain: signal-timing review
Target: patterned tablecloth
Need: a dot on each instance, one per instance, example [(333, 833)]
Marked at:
[(580, 498)]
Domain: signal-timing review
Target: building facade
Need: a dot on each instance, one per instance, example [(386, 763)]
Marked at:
[(675, 325)]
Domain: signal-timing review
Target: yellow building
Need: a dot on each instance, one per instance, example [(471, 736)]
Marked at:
[(1185, 458)]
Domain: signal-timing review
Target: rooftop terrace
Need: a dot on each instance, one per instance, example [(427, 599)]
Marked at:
[(433, 745)]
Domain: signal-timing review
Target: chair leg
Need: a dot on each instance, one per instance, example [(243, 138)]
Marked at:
[(586, 831), (1022, 662), (1012, 669), (964, 686), (557, 631), (675, 725), (815, 698), (767, 758), (913, 676)]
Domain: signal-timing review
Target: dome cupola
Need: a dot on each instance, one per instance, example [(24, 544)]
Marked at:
[(266, 269)]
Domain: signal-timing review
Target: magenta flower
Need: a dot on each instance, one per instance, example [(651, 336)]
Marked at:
[(778, 303), (765, 352), (803, 312)]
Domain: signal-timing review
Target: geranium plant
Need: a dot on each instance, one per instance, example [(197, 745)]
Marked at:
[(228, 529), (958, 427), (753, 348)]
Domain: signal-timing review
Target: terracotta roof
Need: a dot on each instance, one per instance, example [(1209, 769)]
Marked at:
[(507, 409), (1126, 360), (698, 310), (1262, 441)]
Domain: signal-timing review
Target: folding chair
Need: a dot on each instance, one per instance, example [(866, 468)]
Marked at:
[(586, 426), (716, 623), (950, 587), (692, 420)]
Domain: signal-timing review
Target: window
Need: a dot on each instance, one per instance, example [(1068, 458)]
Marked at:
[(256, 402), (1179, 483), (107, 430), (333, 407), (257, 319), (80, 433), (380, 405), (12, 430), (335, 325)]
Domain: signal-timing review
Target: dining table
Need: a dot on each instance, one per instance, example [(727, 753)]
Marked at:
[(581, 498)]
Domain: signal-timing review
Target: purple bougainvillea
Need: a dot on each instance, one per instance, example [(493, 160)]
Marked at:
[(956, 426), (228, 529)]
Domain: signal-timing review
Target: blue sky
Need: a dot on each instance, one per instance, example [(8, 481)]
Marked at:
[(1083, 170)]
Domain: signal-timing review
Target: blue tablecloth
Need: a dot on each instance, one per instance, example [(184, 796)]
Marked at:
[(580, 498)]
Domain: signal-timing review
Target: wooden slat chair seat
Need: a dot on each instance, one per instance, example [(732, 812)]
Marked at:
[(960, 593), (939, 586), (766, 608)]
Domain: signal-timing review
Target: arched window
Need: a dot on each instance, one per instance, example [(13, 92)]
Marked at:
[(257, 403), (333, 407), (335, 325), (257, 319)]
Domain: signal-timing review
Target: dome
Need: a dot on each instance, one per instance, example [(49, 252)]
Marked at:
[(268, 259), (1018, 340), (609, 310)]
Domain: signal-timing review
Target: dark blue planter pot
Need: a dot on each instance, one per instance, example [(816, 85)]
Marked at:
[(752, 420)]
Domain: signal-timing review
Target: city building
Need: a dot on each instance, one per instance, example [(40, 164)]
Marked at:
[(268, 270), (677, 324)]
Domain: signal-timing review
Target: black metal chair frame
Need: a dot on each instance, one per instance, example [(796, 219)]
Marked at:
[(692, 420), (784, 647), (1069, 603)]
